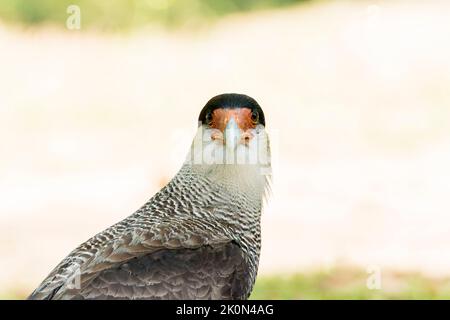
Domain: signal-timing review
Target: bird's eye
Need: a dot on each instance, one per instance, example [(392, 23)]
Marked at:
[(255, 116), (208, 118)]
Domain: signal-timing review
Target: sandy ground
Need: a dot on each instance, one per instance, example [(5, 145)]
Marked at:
[(356, 96)]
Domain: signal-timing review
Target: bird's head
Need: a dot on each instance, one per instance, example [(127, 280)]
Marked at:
[(231, 138)]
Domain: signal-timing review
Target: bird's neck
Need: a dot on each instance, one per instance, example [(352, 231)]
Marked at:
[(251, 180)]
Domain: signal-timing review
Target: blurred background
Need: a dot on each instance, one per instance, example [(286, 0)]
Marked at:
[(96, 117)]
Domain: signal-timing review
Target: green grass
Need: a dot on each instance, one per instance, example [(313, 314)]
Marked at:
[(114, 15), (350, 283)]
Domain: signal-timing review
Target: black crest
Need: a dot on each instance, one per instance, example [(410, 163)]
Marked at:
[(231, 101)]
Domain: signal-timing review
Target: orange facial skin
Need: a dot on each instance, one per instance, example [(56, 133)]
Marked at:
[(242, 116)]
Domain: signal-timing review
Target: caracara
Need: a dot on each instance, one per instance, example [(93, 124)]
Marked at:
[(197, 238)]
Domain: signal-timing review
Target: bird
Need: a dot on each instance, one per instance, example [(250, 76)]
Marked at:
[(199, 237)]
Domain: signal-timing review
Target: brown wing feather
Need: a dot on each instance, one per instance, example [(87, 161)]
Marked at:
[(91, 258), (204, 273)]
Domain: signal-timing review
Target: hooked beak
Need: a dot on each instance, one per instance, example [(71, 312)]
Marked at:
[(232, 134)]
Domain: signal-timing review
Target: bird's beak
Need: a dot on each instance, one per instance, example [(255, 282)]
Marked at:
[(232, 134)]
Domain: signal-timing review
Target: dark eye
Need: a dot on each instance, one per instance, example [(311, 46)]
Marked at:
[(208, 118), (255, 116)]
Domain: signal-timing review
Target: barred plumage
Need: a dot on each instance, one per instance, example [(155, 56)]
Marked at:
[(197, 238)]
